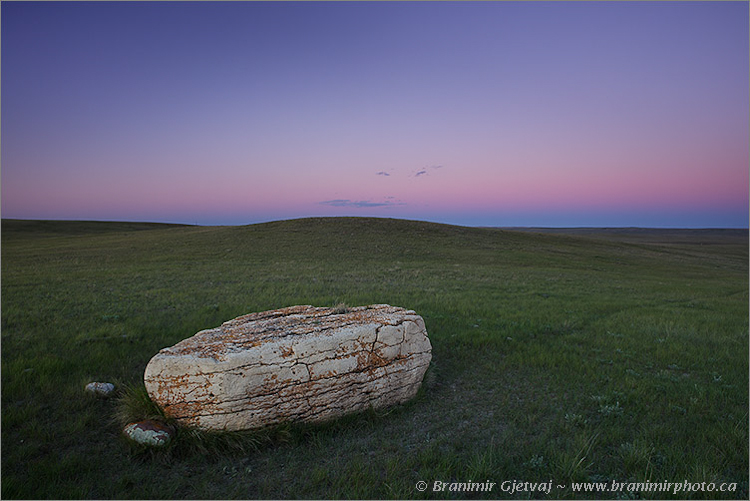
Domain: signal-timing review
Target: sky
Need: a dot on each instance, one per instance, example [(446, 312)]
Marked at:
[(556, 114)]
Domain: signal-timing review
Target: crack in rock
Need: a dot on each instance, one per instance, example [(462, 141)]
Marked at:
[(300, 363)]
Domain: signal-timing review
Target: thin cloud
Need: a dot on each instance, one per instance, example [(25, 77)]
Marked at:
[(345, 202), (426, 170), (382, 173)]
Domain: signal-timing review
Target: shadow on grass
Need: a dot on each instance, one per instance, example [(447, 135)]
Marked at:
[(133, 404)]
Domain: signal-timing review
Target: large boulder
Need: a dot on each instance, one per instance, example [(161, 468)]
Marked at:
[(300, 363)]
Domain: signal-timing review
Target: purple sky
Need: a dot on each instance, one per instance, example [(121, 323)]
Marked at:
[(472, 113)]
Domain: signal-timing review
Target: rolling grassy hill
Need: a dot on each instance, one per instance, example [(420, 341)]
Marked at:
[(555, 357)]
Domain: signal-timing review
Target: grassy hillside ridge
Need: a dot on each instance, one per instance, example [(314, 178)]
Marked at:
[(39, 228), (664, 236), (562, 357)]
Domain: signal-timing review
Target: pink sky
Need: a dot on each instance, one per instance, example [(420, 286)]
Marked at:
[(544, 114)]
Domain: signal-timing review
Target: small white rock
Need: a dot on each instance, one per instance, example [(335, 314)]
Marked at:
[(102, 389), (149, 432)]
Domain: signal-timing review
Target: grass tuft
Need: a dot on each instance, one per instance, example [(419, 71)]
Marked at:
[(193, 441), (134, 404), (340, 309)]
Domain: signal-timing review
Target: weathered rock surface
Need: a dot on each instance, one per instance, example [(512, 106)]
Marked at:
[(149, 432), (101, 389), (300, 363)]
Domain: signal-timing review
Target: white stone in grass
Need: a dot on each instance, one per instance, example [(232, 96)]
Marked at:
[(101, 389), (294, 364), (148, 432)]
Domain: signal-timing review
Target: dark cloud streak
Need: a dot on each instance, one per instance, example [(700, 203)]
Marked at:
[(345, 202), (426, 171)]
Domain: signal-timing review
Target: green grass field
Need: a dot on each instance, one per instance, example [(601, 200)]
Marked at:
[(602, 356)]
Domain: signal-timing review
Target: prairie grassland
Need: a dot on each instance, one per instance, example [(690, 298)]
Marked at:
[(559, 357)]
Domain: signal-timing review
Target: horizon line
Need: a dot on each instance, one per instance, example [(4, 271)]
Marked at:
[(503, 227)]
